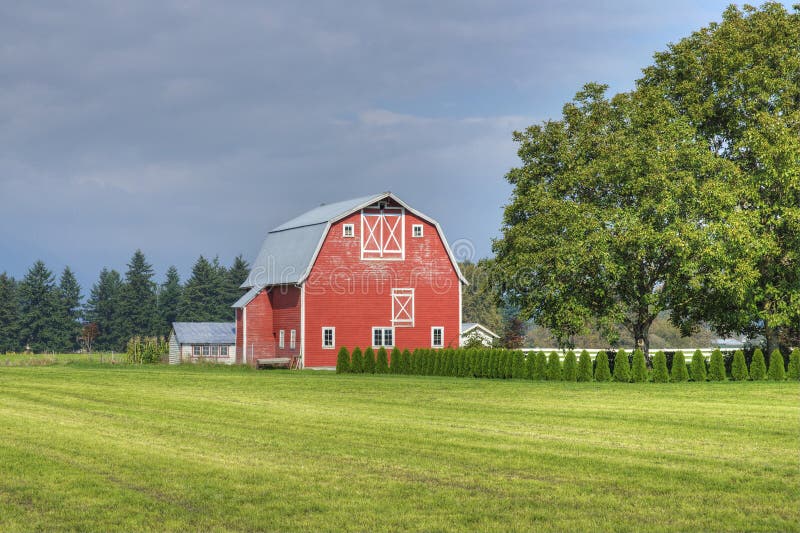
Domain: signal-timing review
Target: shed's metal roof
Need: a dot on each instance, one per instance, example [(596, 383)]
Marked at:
[(205, 332)]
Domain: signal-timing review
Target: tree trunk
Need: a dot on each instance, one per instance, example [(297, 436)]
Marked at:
[(641, 336), (772, 337)]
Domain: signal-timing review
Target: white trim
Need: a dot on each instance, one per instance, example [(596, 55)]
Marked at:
[(482, 327), (383, 330), (441, 337), (460, 313), (302, 325), (414, 228), (333, 338), (244, 335), (281, 339), (400, 224), (351, 227), (292, 339), (401, 293)]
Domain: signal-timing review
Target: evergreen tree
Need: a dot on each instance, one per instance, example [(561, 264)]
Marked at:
[(69, 312), (382, 364), (540, 366), (660, 373), (777, 372), (9, 315), (138, 299), (103, 309), (38, 309), (758, 368), (639, 368), (622, 368), (698, 366), (223, 312), (202, 295), (679, 373), (343, 361), (517, 364), (716, 369), (793, 373), (554, 367), (584, 367), (234, 277), (530, 363), (570, 367), (406, 363), (169, 299), (739, 367), (602, 372), (357, 361), (396, 361)]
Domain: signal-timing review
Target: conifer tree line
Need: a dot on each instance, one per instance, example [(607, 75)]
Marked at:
[(43, 312)]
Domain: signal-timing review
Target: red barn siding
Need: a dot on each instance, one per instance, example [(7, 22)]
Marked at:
[(285, 301), (239, 337), (260, 337), (353, 295)]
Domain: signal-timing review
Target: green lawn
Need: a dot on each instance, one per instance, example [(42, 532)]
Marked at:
[(131, 448)]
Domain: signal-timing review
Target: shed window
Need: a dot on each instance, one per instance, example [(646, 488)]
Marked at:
[(223, 351), (416, 230), (348, 230), (437, 337), (328, 338), (197, 350), (206, 350), (382, 337)]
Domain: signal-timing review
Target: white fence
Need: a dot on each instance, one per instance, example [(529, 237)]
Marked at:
[(687, 352)]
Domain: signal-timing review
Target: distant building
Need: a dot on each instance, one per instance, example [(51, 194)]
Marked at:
[(202, 341), (473, 330)]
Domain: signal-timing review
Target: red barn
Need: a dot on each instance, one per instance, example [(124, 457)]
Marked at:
[(364, 272)]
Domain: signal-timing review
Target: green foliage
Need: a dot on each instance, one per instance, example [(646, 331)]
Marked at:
[(622, 368), (103, 308), (343, 361), (554, 367), (405, 366), (739, 367), (137, 302), (146, 349), (793, 373), (570, 370), (204, 290), (369, 360), (479, 300), (39, 323), (530, 365), (678, 372), (639, 367), (396, 361), (357, 361), (382, 364), (698, 366), (169, 299), (716, 368), (584, 367), (602, 372), (758, 367), (9, 315), (517, 365), (660, 373), (777, 372), (540, 366), (69, 312)]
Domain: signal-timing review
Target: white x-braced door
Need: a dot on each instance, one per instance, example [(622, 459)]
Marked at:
[(403, 307), (383, 233)]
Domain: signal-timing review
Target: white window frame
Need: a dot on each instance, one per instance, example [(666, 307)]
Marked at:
[(433, 336), (292, 339), (281, 339), (223, 348), (333, 338), (197, 350), (414, 228), (383, 330), (346, 233), (398, 308)]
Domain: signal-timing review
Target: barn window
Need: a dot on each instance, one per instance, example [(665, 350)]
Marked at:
[(416, 230), (281, 339), (328, 337), (382, 233), (292, 339), (348, 230), (403, 307), (197, 350), (382, 337), (437, 337), (223, 351)]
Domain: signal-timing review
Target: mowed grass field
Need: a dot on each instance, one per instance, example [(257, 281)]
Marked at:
[(91, 447)]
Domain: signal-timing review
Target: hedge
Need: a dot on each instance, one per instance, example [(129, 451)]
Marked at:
[(570, 369), (584, 367), (382, 364), (660, 373), (716, 370), (357, 361), (679, 373), (758, 368), (698, 367), (622, 370), (540, 366), (553, 367), (602, 372), (793, 373), (639, 368), (343, 361), (777, 371), (739, 367)]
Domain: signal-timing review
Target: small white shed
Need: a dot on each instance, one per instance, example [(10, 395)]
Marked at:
[(202, 341), (473, 330)]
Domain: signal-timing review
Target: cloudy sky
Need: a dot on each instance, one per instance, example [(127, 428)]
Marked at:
[(191, 127)]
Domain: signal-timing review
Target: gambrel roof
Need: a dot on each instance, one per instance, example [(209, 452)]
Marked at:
[(289, 250)]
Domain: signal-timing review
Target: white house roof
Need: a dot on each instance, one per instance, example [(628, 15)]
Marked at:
[(466, 327), (289, 250), (205, 332)]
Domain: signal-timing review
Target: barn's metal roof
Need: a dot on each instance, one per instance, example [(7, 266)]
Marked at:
[(205, 332), (290, 249)]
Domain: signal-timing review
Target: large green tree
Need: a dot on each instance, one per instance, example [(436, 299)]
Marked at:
[(9, 314), (169, 299), (611, 215), (137, 302), (479, 299), (39, 303), (69, 311), (234, 277), (203, 295), (737, 83), (103, 309)]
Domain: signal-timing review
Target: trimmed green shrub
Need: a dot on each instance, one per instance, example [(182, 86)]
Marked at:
[(396, 361), (584, 367), (622, 369), (357, 361), (540, 366), (508, 364), (530, 363), (639, 369), (518, 365), (698, 366), (678, 372), (601, 371), (382, 364), (570, 370), (660, 372), (369, 361), (716, 368), (758, 368), (739, 367), (793, 374), (343, 361), (553, 367), (777, 372)]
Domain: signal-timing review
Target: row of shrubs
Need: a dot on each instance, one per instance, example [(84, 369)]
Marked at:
[(507, 364), (146, 349)]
